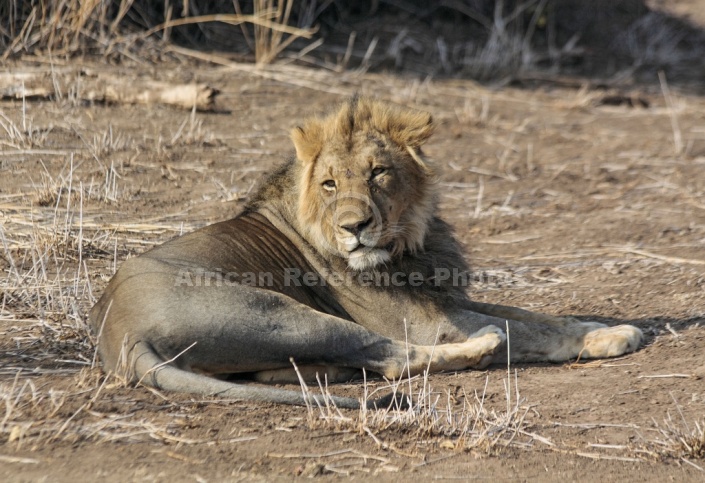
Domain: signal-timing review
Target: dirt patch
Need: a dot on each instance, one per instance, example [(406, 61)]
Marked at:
[(563, 204)]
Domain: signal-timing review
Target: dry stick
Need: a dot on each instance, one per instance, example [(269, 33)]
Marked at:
[(97, 393), (607, 446), (267, 74), (665, 376), (8, 404), (305, 392), (162, 364), (66, 423), (24, 109), (678, 407), (233, 20), (378, 442), (596, 425), (692, 464), (245, 33), (509, 373), (677, 137), (480, 193), (271, 44), (365, 63), (436, 460), (105, 88), (597, 456), (80, 239), (320, 404), (8, 254), (164, 435), (519, 423), (428, 366), (665, 258), (328, 455), (482, 403), (21, 36), (26, 461), (302, 53), (408, 363), (88, 286), (169, 15), (535, 436), (348, 52)]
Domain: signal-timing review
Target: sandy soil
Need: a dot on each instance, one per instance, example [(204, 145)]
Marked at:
[(563, 204)]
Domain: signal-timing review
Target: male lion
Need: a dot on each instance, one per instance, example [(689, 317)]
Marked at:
[(338, 262)]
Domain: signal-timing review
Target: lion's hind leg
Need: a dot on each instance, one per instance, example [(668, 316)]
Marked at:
[(562, 338), (520, 315), (239, 329), (590, 340)]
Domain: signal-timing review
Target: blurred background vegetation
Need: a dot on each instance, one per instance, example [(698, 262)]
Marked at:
[(479, 39)]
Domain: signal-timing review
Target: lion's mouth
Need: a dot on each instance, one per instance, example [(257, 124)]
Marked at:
[(365, 254), (361, 247), (365, 257)]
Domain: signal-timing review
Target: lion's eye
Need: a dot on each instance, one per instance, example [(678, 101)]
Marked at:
[(378, 172), (329, 185)]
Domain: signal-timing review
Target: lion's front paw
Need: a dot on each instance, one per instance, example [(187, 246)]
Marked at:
[(483, 345), (489, 329), (611, 341)]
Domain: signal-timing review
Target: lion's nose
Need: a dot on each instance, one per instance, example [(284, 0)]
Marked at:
[(357, 227)]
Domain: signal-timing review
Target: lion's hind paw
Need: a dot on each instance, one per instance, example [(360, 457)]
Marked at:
[(611, 342)]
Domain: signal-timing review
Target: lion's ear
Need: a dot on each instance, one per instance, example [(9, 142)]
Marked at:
[(406, 127), (308, 141)]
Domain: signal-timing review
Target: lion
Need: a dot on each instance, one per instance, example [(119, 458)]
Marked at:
[(339, 263)]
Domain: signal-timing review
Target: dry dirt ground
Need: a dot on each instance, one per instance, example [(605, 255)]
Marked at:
[(564, 204)]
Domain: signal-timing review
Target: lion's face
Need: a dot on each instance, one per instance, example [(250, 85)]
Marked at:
[(365, 193)]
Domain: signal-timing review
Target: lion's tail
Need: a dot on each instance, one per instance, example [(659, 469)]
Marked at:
[(151, 370)]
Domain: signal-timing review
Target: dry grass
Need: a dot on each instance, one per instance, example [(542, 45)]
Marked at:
[(192, 133), (108, 27), (36, 416), (681, 440), (47, 279), (459, 422), (48, 248), (269, 43), (62, 27), (22, 135), (676, 438)]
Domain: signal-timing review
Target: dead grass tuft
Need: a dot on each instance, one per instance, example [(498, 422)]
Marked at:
[(269, 42), (678, 439), (24, 135), (192, 133), (449, 421), (35, 415)]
